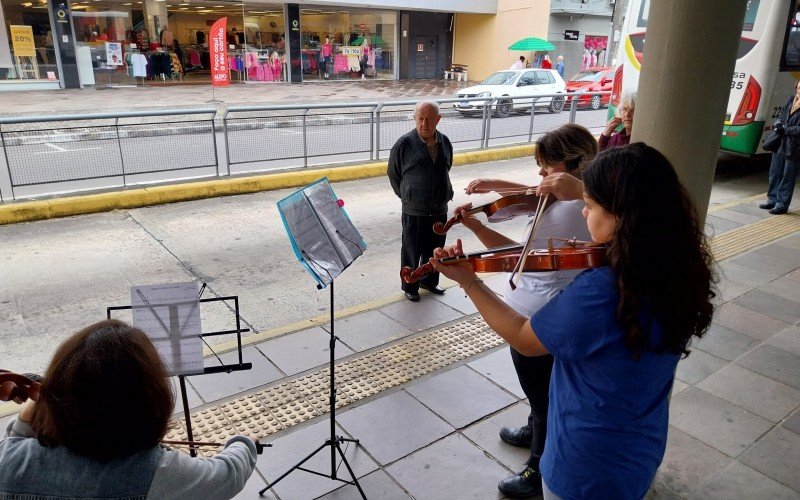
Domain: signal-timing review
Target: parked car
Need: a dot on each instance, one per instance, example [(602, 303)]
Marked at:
[(514, 83), (592, 80)]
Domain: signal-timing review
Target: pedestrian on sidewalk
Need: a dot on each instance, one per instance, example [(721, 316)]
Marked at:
[(94, 431), (419, 166), (560, 65), (783, 169), (519, 64), (618, 331), (611, 137), (567, 150)]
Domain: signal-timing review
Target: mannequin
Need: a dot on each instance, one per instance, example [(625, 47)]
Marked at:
[(167, 37), (327, 53), (365, 52), (592, 59), (585, 59)]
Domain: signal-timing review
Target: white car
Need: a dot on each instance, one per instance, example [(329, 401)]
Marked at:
[(513, 83)]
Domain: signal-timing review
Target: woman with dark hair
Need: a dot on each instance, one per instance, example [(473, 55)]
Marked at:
[(103, 408), (618, 331), (568, 150)]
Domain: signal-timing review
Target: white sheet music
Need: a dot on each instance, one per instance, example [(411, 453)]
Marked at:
[(181, 357), (169, 314)]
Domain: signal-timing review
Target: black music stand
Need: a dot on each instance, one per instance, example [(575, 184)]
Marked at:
[(206, 369), (326, 242)]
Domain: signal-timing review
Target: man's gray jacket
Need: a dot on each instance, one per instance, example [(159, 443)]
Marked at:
[(422, 185)]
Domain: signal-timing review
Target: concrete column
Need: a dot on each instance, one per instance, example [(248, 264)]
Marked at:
[(683, 89), (155, 12)]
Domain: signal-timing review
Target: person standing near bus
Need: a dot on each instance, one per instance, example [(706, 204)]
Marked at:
[(783, 169), (610, 138)]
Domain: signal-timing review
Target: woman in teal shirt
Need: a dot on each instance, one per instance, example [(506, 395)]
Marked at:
[(618, 331)]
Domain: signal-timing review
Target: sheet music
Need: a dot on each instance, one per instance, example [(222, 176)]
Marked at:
[(169, 314), (324, 239), (181, 357)]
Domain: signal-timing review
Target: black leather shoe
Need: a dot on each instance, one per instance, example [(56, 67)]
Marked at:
[(779, 210), (767, 206), (526, 484), (412, 296), (517, 436), (434, 290)]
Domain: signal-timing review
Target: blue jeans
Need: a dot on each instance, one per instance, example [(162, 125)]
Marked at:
[(782, 177)]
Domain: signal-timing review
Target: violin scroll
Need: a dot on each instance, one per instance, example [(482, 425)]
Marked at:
[(19, 388)]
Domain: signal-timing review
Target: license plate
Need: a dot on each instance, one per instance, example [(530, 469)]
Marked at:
[(463, 104)]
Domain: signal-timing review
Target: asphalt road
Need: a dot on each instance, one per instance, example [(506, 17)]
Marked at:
[(45, 162)]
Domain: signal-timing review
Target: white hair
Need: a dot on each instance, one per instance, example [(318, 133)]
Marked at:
[(628, 100), (423, 104)]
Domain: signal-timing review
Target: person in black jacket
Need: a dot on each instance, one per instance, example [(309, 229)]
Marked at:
[(419, 166), (783, 170)]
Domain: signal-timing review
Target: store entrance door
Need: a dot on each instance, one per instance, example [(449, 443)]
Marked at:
[(426, 48)]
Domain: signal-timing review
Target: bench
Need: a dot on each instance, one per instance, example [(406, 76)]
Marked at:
[(456, 71)]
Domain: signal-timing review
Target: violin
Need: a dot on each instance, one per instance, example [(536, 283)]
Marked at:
[(193, 445), (574, 255), (16, 387), (499, 210)]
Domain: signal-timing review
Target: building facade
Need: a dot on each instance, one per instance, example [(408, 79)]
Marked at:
[(78, 43)]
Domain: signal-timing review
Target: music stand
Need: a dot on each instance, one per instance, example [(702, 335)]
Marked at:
[(174, 321), (325, 242)]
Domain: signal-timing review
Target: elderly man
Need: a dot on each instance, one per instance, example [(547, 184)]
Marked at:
[(419, 166)]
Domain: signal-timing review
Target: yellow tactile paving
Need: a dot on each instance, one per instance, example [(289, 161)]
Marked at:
[(742, 239)]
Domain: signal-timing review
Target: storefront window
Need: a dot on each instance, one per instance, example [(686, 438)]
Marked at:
[(156, 42), (263, 55), (347, 44), (26, 41)]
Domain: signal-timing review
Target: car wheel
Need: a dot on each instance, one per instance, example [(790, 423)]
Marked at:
[(556, 104), (595, 103), (503, 108)]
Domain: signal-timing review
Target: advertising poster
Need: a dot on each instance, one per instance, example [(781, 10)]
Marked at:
[(113, 54), (22, 41), (220, 76)]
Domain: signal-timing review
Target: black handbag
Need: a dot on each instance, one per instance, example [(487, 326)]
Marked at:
[(773, 142)]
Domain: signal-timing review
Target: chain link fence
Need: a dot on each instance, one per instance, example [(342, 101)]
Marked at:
[(51, 155)]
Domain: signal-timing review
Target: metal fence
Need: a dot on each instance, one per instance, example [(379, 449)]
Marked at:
[(50, 155)]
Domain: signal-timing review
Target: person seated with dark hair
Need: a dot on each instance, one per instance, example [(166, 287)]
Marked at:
[(94, 432)]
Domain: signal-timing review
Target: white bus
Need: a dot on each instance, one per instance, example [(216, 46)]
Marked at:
[(769, 51)]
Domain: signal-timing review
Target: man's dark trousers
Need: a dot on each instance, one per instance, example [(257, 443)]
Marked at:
[(534, 378), (419, 240)]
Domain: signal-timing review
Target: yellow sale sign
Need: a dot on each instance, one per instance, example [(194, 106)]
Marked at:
[(22, 41)]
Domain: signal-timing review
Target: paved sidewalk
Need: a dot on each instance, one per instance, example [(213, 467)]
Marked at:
[(425, 387), (89, 100)]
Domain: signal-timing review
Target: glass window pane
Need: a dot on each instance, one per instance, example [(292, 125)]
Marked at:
[(26, 42)]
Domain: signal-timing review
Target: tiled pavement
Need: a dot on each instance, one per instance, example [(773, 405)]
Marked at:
[(734, 415)]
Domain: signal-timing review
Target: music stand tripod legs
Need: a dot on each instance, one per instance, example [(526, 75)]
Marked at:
[(334, 441)]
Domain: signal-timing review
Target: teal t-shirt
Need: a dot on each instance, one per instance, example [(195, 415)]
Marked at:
[(607, 421)]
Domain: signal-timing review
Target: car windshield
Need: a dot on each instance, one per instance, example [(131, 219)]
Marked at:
[(500, 78), (587, 76)]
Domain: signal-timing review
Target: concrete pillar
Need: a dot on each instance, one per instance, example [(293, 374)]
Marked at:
[(683, 89), (156, 17)]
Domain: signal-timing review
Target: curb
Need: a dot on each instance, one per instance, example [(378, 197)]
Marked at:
[(28, 211)]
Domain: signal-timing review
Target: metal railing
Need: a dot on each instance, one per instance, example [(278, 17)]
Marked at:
[(50, 155)]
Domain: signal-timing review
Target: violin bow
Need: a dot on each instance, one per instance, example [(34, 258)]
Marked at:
[(513, 280)]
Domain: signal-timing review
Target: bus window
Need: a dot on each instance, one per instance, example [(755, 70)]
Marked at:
[(790, 57), (641, 22), (750, 15)]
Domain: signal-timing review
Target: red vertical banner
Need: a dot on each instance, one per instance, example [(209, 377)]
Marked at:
[(220, 74)]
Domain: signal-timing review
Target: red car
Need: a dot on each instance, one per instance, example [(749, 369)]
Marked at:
[(592, 80)]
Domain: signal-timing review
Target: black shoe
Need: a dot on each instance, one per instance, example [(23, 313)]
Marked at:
[(526, 484), (779, 210), (517, 436), (434, 290), (767, 206), (412, 296)]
